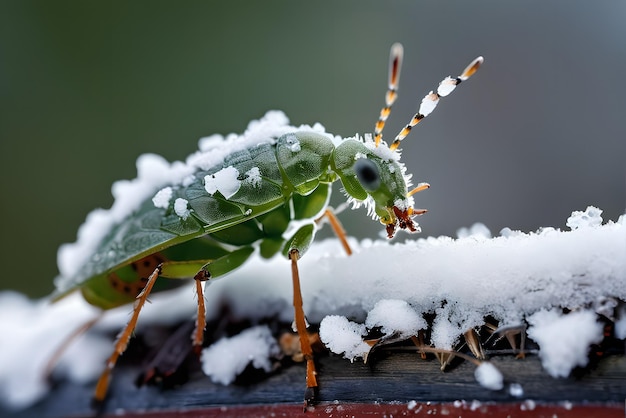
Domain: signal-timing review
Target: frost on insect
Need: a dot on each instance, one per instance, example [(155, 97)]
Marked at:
[(225, 181), (181, 207), (261, 192), (253, 177)]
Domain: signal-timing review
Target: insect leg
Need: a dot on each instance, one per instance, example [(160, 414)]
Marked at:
[(213, 269), (203, 270), (300, 321), (124, 338), (420, 187), (335, 224), (198, 334)]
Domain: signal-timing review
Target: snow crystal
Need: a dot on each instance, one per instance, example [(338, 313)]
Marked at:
[(564, 340), (517, 390), (475, 405), (528, 405), (395, 316), (162, 198), (181, 208), (383, 152), (477, 230), (226, 359), (343, 337), (295, 147), (444, 333), (488, 376), (508, 232), (589, 218), (224, 181), (253, 176)]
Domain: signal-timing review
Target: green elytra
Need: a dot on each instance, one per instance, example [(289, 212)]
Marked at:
[(268, 187)]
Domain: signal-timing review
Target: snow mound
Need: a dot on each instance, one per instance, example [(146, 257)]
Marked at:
[(515, 277), (564, 340)]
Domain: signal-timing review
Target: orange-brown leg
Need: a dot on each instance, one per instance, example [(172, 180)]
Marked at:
[(124, 338), (335, 224), (300, 321), (198, 334)]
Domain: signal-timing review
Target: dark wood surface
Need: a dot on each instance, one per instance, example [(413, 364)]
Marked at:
[(394, 376)]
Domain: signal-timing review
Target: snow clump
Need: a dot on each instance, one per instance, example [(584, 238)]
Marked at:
[(227, 358)]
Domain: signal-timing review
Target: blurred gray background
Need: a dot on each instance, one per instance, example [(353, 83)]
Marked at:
[(86, 87)]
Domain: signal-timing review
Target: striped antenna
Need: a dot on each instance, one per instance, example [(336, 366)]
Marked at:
[(395, 63), (429, 102)]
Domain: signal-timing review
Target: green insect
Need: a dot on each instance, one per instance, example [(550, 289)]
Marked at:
[(211, 221)]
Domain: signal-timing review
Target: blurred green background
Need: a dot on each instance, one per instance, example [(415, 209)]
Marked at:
[(87, 86)]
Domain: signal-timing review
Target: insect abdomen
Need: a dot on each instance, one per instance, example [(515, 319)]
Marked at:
[(121, 286)]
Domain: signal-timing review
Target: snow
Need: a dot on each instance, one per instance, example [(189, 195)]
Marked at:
[(516, 277), (31, 332), (395, 316), (382, 151), (181, 207), (516, 390), (429, 103), (224, 181), (228, 357), (253, 176), (163, 197), (564, 340), (446, 86), (590, 218), (294, 146), (344, 337), (477, 230), (488, 376)]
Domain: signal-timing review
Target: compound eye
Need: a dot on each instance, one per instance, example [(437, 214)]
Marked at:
[(367, 174)]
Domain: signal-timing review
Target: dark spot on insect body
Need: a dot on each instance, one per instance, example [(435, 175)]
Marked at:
[(114, 282), (127, 289), (145, 267)]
